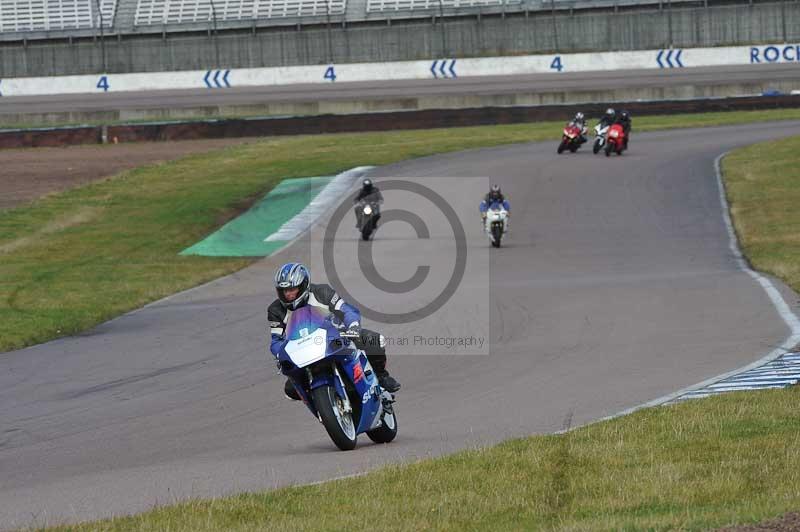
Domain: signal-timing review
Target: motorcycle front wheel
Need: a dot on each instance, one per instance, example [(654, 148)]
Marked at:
[(609, 147), (387, 431), (562, 147), (366, 232), (597, 146), (497, 234), (338, 423)]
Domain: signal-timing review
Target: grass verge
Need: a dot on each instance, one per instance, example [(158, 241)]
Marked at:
[(73, 260), (692, 466), (764, 190)]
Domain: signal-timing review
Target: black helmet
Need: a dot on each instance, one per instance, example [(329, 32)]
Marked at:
[(292, 275), (624, 115), (367, 185)]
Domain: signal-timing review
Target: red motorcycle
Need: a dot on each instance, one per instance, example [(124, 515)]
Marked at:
[(571, 138), (615, 140)]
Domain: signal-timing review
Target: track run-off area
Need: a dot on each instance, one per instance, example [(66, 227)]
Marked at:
[(616, 286)]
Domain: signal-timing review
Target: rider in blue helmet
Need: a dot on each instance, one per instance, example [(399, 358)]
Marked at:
[(294, 289)]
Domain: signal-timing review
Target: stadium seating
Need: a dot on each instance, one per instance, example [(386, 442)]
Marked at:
[(414, 5), (150, 12), (48, 15)]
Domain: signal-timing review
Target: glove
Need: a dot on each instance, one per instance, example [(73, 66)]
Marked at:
[(353, 330)]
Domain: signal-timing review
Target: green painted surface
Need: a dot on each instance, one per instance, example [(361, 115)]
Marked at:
[(244, 236)]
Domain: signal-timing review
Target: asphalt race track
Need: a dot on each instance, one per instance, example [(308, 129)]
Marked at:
[(367, 91), (616, 287)]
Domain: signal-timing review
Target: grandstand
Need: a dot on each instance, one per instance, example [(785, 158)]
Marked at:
[(17, 16), (45, 19), (61, 37)]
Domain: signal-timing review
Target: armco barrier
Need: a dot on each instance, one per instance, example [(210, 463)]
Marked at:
[(435, 118)]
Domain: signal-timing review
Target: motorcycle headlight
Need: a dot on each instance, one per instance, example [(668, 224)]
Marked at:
[(367, 209), (614, 134)]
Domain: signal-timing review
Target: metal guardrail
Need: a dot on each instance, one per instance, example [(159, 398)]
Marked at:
[(361, 122)]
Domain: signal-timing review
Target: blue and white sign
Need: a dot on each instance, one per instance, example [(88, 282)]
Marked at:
[(671, 60), (216, 79), (789, 53), (444, 69)]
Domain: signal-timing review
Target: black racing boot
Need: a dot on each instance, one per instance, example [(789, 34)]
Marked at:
[(289, 391), (386, 381)]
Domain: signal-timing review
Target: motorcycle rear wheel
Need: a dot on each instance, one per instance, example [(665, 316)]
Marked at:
[(338, 424)]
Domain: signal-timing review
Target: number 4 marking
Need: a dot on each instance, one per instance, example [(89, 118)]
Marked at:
[(556, 64), (330, 74), (103, 83)]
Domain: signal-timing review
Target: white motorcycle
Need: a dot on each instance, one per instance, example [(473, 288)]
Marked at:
[(599, 137), (496, 224)]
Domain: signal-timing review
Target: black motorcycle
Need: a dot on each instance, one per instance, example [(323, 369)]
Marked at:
[(369, 214)]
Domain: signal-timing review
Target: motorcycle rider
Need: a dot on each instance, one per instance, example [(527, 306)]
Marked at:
[(369, 193), (624, 119), (580, 121), (608, 118), (294, 289), (495, 195)]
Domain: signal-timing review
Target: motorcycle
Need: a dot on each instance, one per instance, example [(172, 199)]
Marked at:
[(335, 380), (600, 132), (616, 140), (570, 138), (368, 222), (496, 223)]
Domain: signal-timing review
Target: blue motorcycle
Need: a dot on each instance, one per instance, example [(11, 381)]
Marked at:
[(335, 380)]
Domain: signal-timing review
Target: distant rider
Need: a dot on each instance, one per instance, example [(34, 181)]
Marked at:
[(369, 193), (580, 122), (624, 119), (495, 195), (608, 118), (294, 289)]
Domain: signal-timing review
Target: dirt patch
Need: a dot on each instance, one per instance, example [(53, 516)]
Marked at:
[(27, 174), (786, 523), (84, 215)]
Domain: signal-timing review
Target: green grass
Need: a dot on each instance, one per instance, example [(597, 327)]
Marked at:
[(692, 466), (73, 260), (763, 188)]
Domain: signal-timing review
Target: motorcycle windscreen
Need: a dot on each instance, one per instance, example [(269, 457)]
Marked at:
[(307, 336)]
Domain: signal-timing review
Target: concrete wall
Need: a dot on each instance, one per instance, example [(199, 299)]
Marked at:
[(673, 60), (646, 28)]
